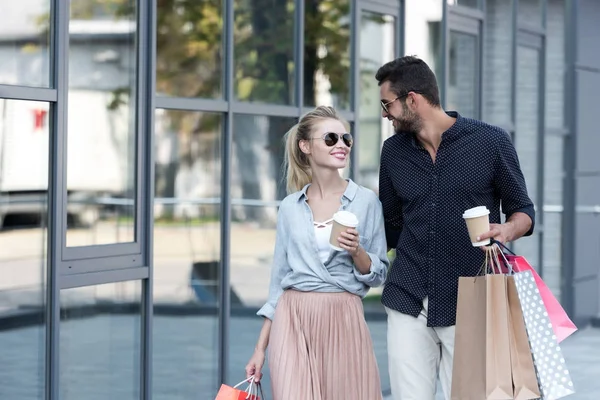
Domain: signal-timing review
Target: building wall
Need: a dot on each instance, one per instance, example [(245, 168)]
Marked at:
[(585, 70)]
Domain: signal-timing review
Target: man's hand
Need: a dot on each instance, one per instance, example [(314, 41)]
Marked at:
[(517, 225), (502, 233)]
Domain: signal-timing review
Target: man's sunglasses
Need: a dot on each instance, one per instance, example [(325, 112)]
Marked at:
[(331, 139), (385, 104)]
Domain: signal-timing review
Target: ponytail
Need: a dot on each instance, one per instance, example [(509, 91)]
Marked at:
[(296, 166)]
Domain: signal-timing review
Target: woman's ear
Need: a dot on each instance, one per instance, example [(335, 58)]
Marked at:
[(305, 146)]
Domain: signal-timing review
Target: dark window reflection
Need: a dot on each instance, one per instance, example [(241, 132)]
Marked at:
[(466, 3), (497, 105), (24, 43), (327, 53), (463, 72), (264, 51), (189, 48)]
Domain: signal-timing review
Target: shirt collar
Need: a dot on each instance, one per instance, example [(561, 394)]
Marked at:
[(349, 193), (450, 133)]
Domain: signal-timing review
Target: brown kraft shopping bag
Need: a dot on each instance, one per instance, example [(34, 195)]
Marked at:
[(525, 382), (468, 370), (497, 350)]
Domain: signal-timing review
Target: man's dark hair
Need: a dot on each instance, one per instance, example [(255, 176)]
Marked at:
[(410, 73)]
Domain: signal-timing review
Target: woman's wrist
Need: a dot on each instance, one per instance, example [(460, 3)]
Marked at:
[(362, 261)]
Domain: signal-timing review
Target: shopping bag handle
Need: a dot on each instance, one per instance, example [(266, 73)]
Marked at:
[(250, 388), (502, 246)]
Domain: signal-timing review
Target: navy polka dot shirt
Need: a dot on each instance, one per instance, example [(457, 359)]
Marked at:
[(423, 202)]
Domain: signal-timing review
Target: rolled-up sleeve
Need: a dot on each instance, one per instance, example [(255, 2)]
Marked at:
[(392, 206), (279, 268), (376, 249), (510, 182)]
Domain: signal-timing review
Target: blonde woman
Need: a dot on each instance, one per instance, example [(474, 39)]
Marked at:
[(319, 343)]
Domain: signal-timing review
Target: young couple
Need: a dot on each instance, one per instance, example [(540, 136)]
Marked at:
[(437, 165)]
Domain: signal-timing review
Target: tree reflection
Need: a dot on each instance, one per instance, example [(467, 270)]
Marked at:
[(190, 64)]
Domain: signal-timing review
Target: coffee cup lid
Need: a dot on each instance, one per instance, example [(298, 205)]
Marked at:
[(476, 212), (345, 218)]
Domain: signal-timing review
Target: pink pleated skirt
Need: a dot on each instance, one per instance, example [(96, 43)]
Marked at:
[(321, 349)]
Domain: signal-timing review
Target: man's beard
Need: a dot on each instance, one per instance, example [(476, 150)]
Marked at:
[(408, 124)]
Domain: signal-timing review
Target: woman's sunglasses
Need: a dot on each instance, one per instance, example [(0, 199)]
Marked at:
[(331, 139)]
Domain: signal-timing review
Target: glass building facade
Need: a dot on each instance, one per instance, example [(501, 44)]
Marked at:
[(140, 166)]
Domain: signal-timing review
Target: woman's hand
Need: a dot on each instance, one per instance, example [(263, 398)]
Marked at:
[(255, 365), (350, 241)]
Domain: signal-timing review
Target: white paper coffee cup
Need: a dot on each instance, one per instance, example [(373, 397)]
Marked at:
[(342, 220), (478, 222)]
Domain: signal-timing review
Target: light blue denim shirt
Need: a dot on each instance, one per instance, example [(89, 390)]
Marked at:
[(296, 262)]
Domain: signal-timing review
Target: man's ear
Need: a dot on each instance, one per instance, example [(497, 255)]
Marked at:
[(412, 101)]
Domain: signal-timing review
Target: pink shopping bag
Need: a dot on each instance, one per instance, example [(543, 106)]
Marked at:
[(561, 323)]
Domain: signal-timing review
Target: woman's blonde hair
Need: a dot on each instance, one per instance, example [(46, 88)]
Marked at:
[(296, 164)]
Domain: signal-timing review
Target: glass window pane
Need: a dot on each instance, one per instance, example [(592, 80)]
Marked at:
[(530, 11), (463, 71), (253, 241), (465, 3), (25, 43), (554, 145), (497, 101), (24, 138), (327, 53), (527, 123), (189, 57), (377, 46), (526, 137), (555, 65), (257, 159), (423, 32), (264, 51), (101, 162), (100, 342), (187, 252)]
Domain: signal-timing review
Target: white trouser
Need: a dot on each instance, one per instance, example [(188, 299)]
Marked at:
[(417, 354)]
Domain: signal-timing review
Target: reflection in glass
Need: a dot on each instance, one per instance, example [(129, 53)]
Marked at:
[(497, 101), (530, 11), (554, 144), (465, 3), (555, 65), (463, 72), (100, 342), (376, 48), (186, 253), (24, 43), (189, 48), (257, 159), (264, 51), (101, 162), (24, 150), (526, 136), (423, 27), (252, 246), (327, 53)]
